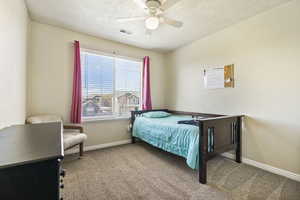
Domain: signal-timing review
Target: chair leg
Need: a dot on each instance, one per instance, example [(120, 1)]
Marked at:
[(80, 149)]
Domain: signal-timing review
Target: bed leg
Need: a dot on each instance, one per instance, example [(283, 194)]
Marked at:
[(202, 153), (203, 173), (133, 140), (238, 153)]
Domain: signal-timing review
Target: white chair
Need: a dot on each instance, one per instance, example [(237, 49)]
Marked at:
[(73, 133)]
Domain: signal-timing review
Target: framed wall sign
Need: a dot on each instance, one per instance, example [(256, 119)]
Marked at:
[(219, 77)]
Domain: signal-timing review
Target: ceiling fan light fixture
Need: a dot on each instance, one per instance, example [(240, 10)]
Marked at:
[(152, 23)]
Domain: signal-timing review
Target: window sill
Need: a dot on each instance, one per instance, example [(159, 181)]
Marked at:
[(109, 118)]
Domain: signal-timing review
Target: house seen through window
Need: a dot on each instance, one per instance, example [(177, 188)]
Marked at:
[(111, 85)]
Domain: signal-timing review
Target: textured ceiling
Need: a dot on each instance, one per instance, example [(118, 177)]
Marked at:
[(98, 18)]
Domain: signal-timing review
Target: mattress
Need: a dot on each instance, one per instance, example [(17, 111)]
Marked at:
[(166, 134)]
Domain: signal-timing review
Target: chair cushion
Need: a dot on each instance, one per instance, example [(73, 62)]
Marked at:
[(73, 138), (36, 119)]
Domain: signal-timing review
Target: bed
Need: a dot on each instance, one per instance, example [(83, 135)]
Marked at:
[(218, 134)]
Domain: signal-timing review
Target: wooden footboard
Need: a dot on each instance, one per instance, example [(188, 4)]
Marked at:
[(218, 134)]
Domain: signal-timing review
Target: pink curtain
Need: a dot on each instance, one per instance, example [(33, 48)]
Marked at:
[(146, 90), (76, 97)]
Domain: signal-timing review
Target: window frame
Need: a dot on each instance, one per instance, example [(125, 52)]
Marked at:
[(113, 55)]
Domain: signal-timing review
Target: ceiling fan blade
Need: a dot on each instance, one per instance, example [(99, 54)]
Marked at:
[(129, 19), (171, 22), (166, 4)]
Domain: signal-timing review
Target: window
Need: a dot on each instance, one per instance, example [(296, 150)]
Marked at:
[(111, 85)]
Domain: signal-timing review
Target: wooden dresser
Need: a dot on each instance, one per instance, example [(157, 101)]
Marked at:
[(30, 159)]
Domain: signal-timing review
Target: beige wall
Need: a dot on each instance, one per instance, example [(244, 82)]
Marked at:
[(50, 77), (13, 40), (266, 52)]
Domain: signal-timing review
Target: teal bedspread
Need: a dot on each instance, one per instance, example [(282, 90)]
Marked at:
[(165, 133)]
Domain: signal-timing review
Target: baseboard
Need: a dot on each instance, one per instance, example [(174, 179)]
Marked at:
[(99, 146), (266, 167)]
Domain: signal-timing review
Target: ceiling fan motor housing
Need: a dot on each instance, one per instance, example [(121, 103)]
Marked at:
[(153, 4)]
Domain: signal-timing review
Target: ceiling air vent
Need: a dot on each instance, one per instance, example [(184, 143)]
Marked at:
[(125, 32)]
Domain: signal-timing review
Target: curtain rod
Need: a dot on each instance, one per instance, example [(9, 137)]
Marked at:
[(83, 46)]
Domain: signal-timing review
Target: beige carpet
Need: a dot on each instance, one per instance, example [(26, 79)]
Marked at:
[(139, 171)]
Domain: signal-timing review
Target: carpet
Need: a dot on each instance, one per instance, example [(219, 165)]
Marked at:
[(140, 171)]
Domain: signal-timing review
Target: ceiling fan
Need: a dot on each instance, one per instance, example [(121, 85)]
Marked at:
[(154, 10)]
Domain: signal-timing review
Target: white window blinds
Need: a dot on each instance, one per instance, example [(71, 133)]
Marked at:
[(111, 86)]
